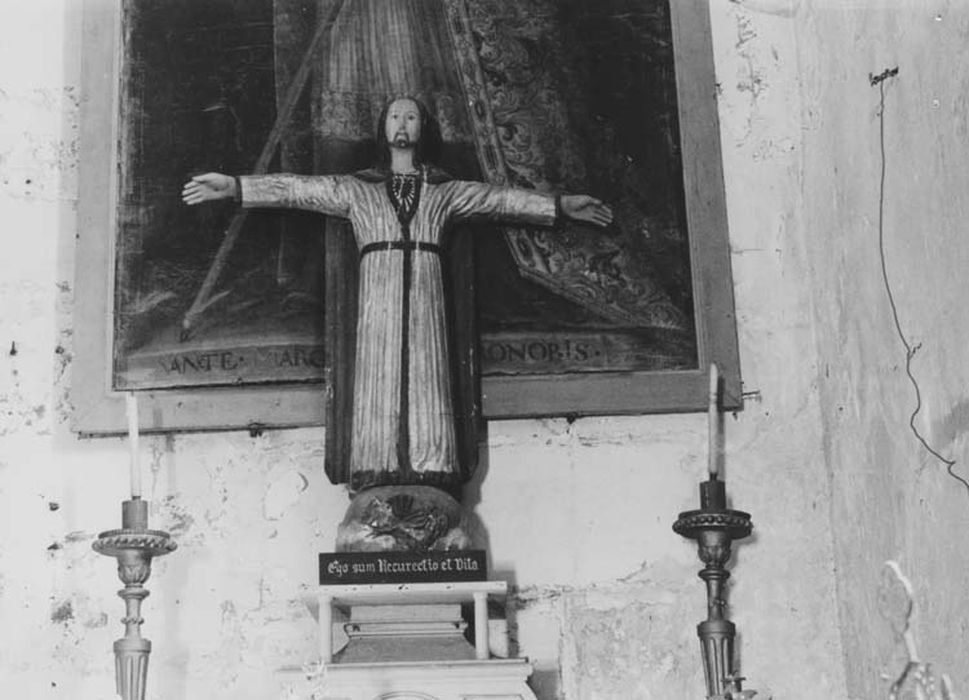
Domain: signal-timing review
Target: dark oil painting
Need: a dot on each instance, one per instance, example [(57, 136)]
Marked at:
[(556, 95)]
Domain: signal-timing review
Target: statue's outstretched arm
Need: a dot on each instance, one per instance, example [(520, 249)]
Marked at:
[(475, 199), (328, 194)]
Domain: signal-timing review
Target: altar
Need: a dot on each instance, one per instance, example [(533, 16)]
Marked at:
[(411, 642)]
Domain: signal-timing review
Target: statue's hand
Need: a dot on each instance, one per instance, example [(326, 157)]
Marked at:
[(208, 187), (582, 207)]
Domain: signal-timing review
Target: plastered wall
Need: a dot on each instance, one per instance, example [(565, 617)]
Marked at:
[(577, 515), (890, 497)]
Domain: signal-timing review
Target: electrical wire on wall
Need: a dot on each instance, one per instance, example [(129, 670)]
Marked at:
[(910, 350)]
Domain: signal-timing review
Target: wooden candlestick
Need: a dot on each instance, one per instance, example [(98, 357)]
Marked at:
[(715, 527), (134, 546)]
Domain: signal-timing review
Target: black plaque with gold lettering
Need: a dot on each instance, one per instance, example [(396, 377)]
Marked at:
[(355, 568)]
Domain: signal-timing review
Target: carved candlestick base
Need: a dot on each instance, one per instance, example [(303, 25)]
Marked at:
[(714, 527), (134, 546)]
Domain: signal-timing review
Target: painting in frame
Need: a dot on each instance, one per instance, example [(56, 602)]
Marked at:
[(221, 321)]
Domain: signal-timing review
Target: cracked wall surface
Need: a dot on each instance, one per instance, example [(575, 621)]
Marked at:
[(891, 498)]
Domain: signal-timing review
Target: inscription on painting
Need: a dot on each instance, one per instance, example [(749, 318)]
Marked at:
[(515, 353), (286, 362)]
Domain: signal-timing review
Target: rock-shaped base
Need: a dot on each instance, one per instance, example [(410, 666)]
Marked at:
[(403, 519)]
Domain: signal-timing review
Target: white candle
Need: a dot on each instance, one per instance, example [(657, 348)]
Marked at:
[(131, 406), (713, 415)]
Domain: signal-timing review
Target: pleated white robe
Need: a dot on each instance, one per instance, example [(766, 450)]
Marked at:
[(432, 450)]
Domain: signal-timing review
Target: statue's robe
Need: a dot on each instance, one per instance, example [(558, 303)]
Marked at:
[(403, 409)]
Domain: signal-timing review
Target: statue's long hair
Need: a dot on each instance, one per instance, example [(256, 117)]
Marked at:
[(429, 144)]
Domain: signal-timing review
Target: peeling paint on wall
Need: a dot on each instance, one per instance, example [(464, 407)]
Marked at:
[(63, 612)]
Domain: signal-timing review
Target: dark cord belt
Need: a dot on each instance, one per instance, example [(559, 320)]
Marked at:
[(401, 245)]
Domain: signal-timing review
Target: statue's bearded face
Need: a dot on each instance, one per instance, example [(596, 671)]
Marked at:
[(403, 126)]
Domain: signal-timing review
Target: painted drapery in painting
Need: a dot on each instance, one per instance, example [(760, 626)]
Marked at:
[(537, 125)]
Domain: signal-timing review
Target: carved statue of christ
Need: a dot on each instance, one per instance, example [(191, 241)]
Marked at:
[(403, 430)]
